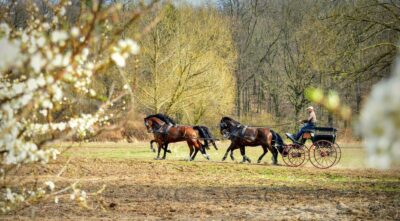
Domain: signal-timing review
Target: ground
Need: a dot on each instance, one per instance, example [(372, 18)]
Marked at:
[(139, 187)]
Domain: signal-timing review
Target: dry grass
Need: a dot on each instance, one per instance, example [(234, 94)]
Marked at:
[(139, 187)]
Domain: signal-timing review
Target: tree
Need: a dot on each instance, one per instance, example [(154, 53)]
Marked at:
[(44, 64), (186, 65)]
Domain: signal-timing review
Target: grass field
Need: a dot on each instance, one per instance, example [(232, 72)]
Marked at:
[(139, 187), (353, 156)]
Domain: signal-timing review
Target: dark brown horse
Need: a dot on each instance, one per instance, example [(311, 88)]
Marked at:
[(242, 136), (166, 131)]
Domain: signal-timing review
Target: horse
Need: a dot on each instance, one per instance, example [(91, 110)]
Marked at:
[(166, 131), (242, 136), (204, 130)]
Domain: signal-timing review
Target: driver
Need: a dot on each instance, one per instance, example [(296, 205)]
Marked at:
[(309, 123)]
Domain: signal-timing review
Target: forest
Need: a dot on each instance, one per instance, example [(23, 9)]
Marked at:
[(87, 87), (255, 60)]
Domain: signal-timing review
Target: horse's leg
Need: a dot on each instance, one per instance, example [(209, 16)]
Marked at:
[(231, 155), (203, 150), (190, 150), (151, 146), (265, 151), (243, 152), (159, 150), (274, 156), (227, 151), (197, 147), (165, 150), (214, 144), (272, 149), (194, 154)]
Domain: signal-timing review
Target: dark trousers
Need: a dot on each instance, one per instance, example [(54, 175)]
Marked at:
[(307, 126)]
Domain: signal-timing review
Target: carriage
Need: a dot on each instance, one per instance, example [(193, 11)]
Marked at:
[(323, 153)]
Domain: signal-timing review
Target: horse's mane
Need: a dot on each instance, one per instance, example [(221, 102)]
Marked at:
[(229, 119), (162, 117)]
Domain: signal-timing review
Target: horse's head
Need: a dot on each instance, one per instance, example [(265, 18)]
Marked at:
[(152, 123), (227, 125)]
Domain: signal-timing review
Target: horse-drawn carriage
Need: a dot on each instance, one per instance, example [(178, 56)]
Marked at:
[(323, 153)]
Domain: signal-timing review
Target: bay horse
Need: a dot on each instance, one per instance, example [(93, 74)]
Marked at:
[(242, 136), (166, 131)]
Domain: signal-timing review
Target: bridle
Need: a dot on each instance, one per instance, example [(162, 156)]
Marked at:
[(152, 129)]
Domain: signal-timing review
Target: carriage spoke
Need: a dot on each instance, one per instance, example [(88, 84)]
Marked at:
[(296, 155), (324, 154)]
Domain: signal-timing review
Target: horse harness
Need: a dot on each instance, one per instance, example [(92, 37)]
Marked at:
[(240, 132), (163, 131)]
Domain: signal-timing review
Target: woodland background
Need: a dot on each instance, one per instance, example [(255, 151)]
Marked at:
[(249, 59)]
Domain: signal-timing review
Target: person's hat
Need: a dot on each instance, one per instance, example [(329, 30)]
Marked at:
[(310, 108)]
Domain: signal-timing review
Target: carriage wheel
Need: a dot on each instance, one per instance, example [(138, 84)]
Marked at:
[(296, 155), (339, 153), (323, 154), (285, 155)]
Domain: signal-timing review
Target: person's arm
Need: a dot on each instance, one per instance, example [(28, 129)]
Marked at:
[(309, 119)]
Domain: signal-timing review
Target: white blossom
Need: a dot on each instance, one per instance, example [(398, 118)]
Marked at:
[(75, 32), (4, 28), (59, 35), (41, 41), (118, 59), (380, 122), (9, 52), (37, 62), (49, 67), (130, 45), (62, 11)]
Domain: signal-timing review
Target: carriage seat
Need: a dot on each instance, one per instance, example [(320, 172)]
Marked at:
[(325, 133)]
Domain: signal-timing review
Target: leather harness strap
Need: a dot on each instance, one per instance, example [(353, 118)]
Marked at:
[(243, 131)]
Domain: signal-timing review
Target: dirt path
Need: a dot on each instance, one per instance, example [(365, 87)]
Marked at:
[(179, 190)]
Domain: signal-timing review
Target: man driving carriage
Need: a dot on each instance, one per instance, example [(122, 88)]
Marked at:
[(309, 123)]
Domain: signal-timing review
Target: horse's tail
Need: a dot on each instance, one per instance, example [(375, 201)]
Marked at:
[(277, 141), (205, 133), (210, 136)]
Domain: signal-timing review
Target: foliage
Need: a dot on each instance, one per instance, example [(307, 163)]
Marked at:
[(380, 122), (47, 59), (286, 46), (186, 65)]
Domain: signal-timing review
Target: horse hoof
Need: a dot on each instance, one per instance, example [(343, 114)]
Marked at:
[(223, 158), (168, 151), (258, 161), (232, 158)]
